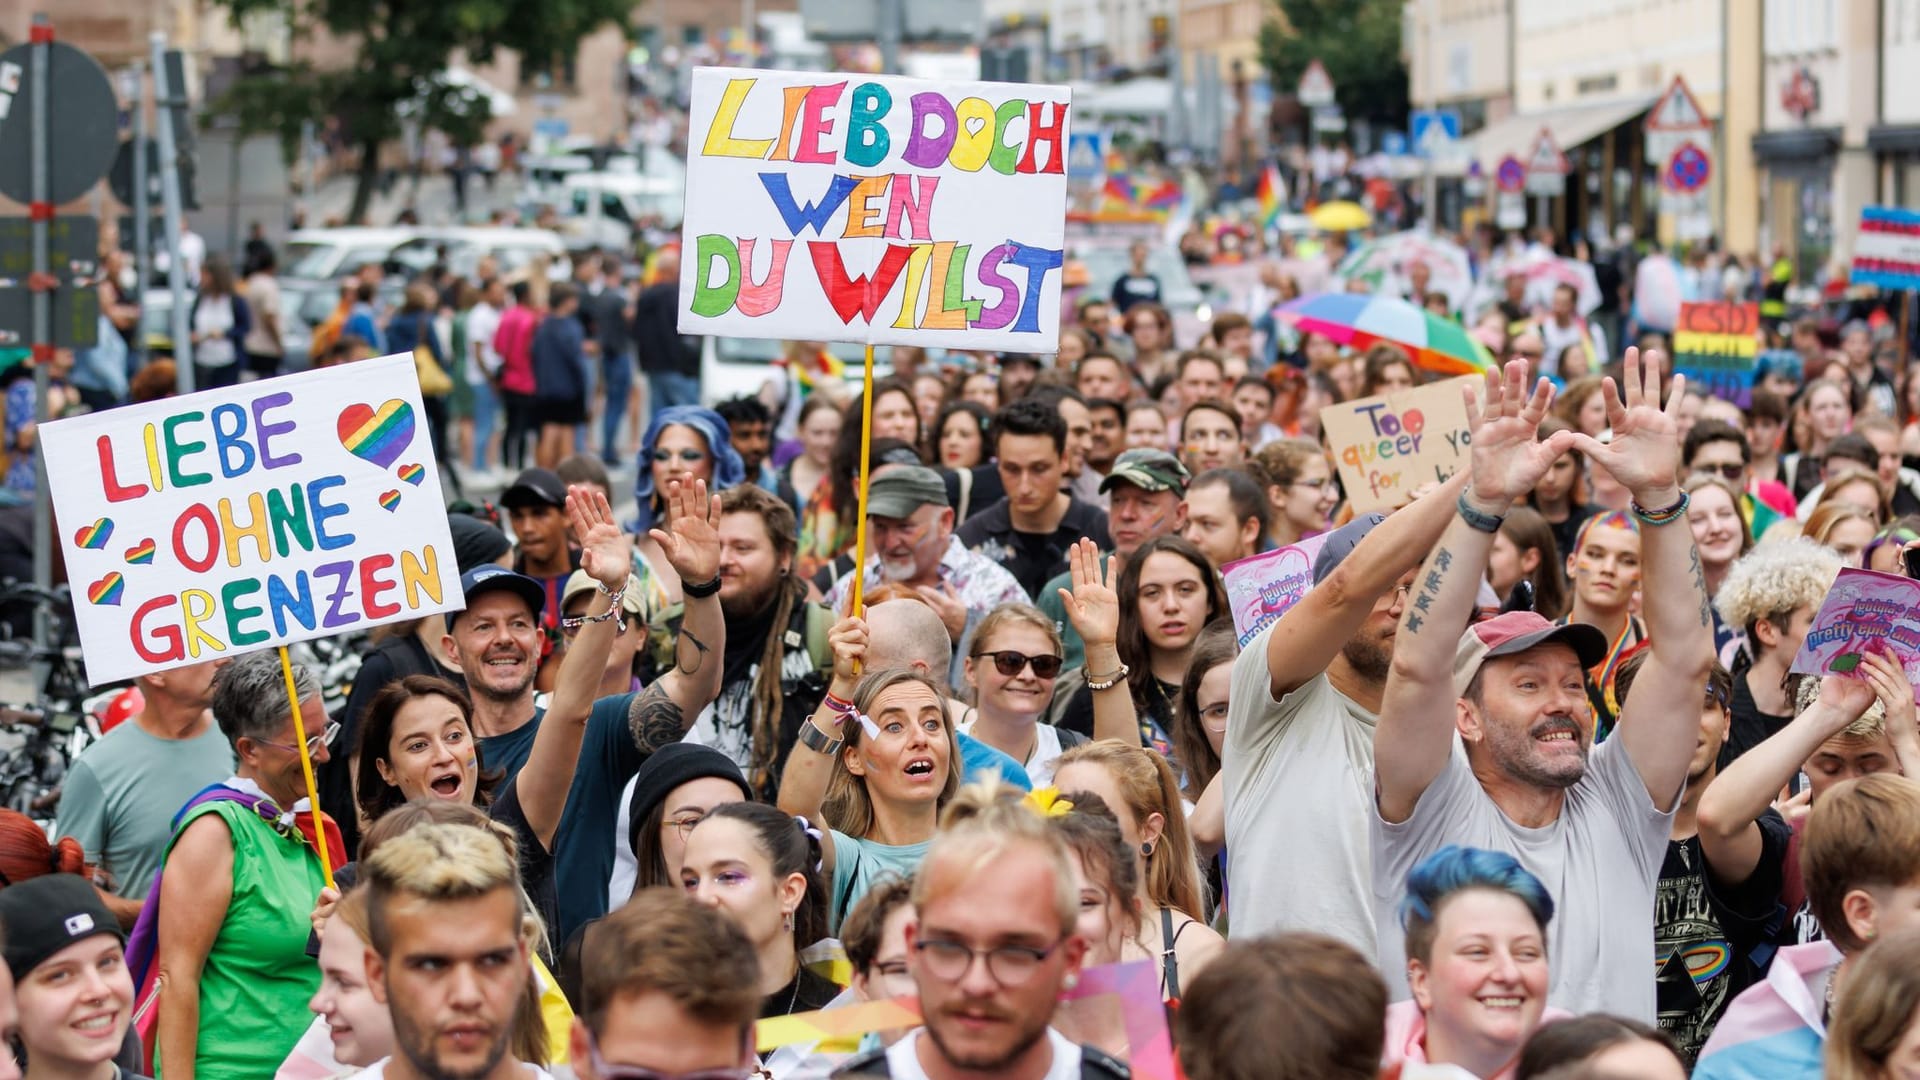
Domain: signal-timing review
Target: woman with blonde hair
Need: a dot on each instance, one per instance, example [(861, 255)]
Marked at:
[(1140, 788), (876, 763), (1299, 485), (1843, 527), (1871, 1034), (1720, 536), (1863, 490)]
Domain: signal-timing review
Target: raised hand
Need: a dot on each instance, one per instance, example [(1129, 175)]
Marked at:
[(606, 552), (848, 639), (1884, 673), (1508, 456), (946, 604), (691, 540), (1092, 606), (1848, 697), (1644, 454)]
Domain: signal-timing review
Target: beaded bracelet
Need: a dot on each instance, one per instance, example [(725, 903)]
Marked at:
[(1665, 516)]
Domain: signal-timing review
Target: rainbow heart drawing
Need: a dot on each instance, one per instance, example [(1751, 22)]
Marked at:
[(376, 435), (108, 590), (390, 500), (413, 473), (141, 554), (94, 537)]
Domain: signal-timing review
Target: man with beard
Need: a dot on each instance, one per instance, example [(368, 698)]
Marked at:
[(448, 954), (777, 662), (1719, 892), (579, 752), (1483, 737), (1297, 764), (910, 537), (991, 944)]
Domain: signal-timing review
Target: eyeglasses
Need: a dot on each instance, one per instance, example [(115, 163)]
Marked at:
[(1008, 965), (1317, 485), (1726, 470), (1008, 662), (606, 1071), (1214, 717), (684, 825), (314, 742), (688, 456)]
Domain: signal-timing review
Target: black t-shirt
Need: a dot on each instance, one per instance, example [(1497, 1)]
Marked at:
[(1033, 558), (1749, 727), (1132, 288), (1706, 933), (1154, 712), (805, 992), (536, 862)]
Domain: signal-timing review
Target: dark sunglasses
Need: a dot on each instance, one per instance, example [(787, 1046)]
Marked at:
[(1725, 470), (1008, 662), (690, 456)]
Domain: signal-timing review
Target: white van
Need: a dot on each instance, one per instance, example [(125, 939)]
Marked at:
[(604, 209)]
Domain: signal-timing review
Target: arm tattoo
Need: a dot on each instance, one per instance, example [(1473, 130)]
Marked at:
[(654, 718), (1429, 590), (1700, 584)]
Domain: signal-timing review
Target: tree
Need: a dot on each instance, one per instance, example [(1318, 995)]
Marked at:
[(1358, 41), (401, 46)]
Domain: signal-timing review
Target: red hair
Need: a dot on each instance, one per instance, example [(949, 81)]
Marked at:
[(25, 853)]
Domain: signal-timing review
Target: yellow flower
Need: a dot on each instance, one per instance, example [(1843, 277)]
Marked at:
[(1047, 802)]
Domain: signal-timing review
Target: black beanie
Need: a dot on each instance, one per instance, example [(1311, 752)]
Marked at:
[(669, 767), (43, 915), (475, 542)]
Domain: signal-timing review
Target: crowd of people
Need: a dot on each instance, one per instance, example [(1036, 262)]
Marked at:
[(1522, 786)]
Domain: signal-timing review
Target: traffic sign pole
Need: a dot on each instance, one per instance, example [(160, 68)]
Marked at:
[(164, 94), (41, 211), (142, 206)]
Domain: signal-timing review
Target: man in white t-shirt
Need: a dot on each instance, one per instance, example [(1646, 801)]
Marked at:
[(1298, 758), (992, 944), (449, 955), (482, 368), (1483, 737)]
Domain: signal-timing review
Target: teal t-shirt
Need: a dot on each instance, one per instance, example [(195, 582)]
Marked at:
[(120, 797), (859, 865)]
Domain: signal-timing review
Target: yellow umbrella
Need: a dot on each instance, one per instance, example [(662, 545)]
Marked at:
[(1341, 216)]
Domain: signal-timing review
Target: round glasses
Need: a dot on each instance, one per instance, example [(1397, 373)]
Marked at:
[(1008, 965)]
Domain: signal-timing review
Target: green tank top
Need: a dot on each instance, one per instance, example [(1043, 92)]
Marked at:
[(257, 979)]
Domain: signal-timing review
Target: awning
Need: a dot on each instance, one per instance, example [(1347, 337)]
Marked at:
[(1571, 127)]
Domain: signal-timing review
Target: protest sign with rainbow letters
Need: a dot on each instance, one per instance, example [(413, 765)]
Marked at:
[(231, 520), (1716, 346), (926, 213)]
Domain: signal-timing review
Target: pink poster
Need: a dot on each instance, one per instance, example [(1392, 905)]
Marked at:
[(1865, 611), (1260, 588)]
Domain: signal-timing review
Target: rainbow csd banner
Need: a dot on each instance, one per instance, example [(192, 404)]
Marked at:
[(231, 520), (875, 210)]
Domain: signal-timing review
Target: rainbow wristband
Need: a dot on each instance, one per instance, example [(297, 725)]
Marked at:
[(1665, 516)]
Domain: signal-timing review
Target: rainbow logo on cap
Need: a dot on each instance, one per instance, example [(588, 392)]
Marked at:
[(108, 590), (390, 500), (141, 554), (94, 537), (413, 473)]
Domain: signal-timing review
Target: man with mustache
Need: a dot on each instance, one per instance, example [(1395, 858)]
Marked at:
[(1484, 737), (448, 954)]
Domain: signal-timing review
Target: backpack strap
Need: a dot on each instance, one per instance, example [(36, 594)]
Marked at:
[(1097, 1064)]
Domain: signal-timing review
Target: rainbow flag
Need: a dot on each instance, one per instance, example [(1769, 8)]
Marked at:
[(1119, 189), (1272, 193), (1165, 196)]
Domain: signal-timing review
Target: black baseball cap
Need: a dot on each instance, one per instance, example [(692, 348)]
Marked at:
[(46, 914), (491, 578), (535, 487)]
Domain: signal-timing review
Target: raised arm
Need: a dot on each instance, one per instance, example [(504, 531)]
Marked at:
[(606, 554), (1418, 710), (1309, 636), (1883, 671), (1742, 792), (1644, 456), (1094, 609), (803, 783)]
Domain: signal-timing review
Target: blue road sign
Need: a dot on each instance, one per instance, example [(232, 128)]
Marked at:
[(1435, 125), (1688, 170), (1086, 154), (1393, 144), (1511, 175)]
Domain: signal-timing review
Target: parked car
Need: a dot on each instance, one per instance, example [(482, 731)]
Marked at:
[(732, 367), (330, 254)]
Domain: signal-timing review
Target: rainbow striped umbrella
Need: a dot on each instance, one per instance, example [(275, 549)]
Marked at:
[(1359, 320)]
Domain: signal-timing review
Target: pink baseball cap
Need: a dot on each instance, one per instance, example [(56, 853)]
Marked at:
[(1516, 632)]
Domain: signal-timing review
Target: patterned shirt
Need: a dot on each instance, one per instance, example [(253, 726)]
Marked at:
[(981, 583)]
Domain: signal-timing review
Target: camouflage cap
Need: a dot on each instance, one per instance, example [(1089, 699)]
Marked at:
[(1149, 470)]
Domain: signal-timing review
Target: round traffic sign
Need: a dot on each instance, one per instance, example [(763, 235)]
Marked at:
[(1510, 175), (83, 122), (1688, 169)]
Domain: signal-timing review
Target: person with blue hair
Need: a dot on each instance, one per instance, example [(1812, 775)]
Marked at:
[(1476, 928)]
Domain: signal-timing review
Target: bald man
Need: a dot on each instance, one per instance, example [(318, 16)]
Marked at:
[(907, 634)]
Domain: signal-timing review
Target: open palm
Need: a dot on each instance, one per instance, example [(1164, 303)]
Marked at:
[(1644, 453), (691, 540), (606, 553), (1508, 456), (1092, 606)]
